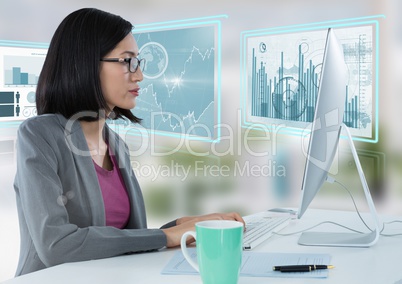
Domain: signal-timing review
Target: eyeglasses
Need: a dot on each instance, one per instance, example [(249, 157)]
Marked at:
[(133, 62)]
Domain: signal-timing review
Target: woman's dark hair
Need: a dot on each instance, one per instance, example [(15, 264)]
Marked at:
[(69, 82)]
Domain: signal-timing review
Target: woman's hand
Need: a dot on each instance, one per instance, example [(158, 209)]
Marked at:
[(184, 224)]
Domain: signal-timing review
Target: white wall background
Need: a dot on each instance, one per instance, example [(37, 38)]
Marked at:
[(27, 20)]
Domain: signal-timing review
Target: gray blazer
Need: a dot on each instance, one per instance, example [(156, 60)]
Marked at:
[(60, 205)]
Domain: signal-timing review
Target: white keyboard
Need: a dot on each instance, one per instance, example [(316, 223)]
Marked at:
[(260, 226)]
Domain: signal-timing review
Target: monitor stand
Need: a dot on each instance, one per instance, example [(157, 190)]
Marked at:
[(347, 239)]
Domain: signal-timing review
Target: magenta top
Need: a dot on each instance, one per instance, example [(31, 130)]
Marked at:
[(115, 197)]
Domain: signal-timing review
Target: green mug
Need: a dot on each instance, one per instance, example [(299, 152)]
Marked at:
[(219, 250)]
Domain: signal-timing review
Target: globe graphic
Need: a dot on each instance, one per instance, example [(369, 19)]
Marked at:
[(31, 97), (156, 59)]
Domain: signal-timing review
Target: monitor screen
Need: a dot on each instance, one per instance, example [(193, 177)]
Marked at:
[(327, 123)]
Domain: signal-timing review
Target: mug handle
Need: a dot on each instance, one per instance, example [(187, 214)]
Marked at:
[(185, 251)]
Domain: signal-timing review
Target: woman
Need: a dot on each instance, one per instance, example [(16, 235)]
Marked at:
[(77, 196)]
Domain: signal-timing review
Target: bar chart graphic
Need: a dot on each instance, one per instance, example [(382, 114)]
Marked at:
[(22, 70), (283, 96), (283, 76)]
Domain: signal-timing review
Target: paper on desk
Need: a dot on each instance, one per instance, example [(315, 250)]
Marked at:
[(257, 264)]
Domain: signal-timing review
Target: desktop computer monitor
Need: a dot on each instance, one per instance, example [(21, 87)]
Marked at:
[(328, 119), (324, 139)]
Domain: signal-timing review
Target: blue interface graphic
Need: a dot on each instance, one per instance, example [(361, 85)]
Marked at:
[(283, 75), (178, 91), (20, 66)]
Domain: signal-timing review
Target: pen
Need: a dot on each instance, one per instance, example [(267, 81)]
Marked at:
[(301, 268)]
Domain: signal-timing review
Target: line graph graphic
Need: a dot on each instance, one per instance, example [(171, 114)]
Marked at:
[(178, 92), (283, 76)]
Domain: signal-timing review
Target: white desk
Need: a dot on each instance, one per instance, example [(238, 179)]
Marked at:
[(380, 263)]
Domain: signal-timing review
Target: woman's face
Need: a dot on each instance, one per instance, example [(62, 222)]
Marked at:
[(119, 86)]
